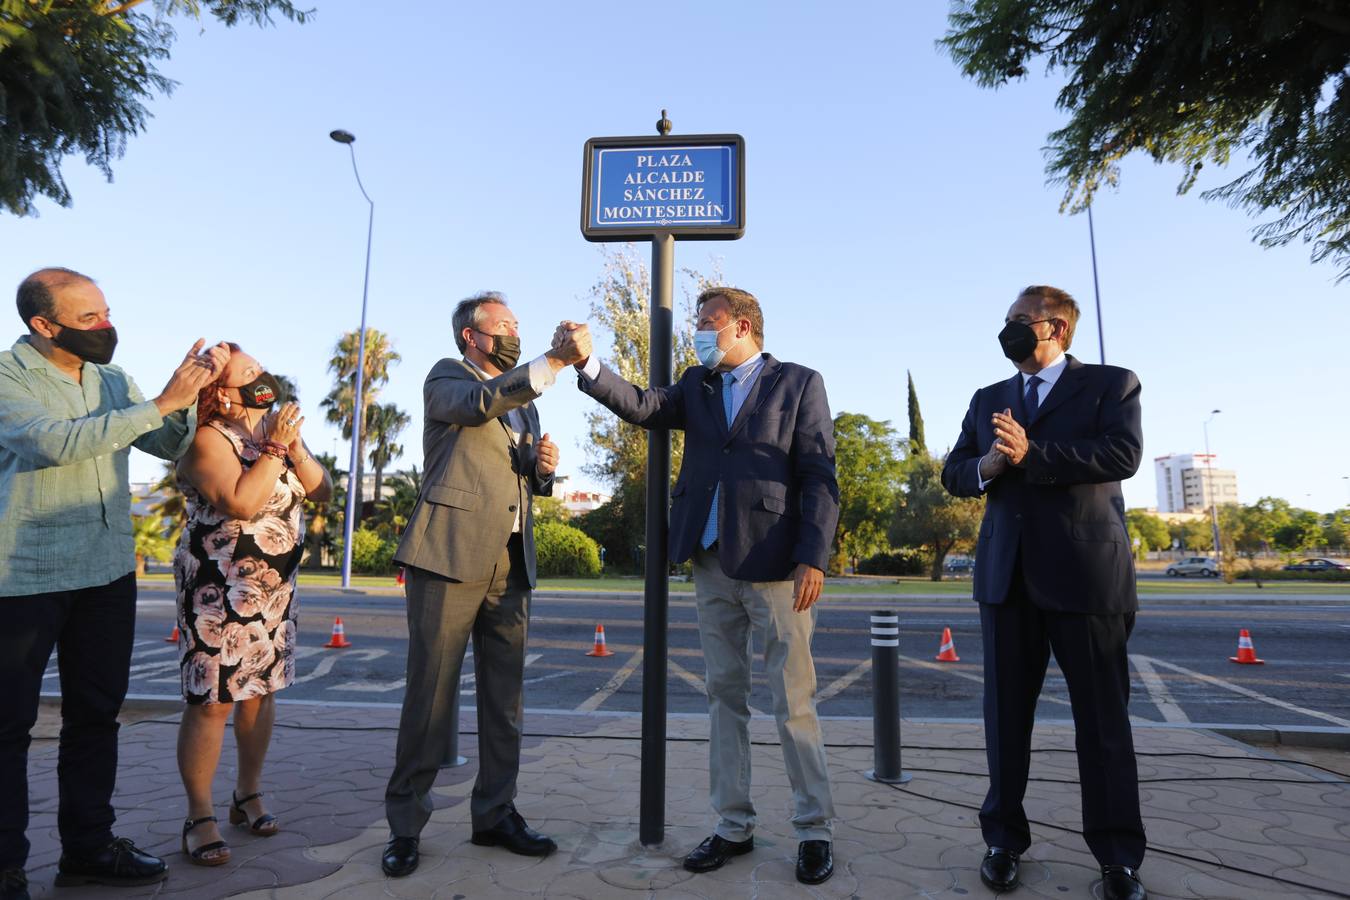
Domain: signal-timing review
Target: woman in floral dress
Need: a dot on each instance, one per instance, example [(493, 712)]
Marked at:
[(245, 480)]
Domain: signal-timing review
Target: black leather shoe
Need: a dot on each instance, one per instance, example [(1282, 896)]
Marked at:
[(815, 861), (1000, 869), (714, 853), (119, 863), (400, 856), (1122, 883), (13, 885), (513, 834)]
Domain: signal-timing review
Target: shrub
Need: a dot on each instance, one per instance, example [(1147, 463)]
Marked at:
[(1274, 573), (371, 554), (564, 550), (907, 561)]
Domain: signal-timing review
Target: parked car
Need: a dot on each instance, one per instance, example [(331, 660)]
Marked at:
[(1203, 566), (960, 566), (1318, 564)]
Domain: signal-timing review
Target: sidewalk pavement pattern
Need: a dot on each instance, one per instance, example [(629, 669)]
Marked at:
[(1224, 820)]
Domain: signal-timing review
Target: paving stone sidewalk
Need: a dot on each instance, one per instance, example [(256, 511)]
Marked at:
[(1224, 820)]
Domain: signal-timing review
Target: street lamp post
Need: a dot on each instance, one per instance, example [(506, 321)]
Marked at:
[(353, 485), (1213, 507), (1096, 291)]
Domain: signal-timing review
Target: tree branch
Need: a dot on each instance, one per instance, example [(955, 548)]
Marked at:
[(121, 8)]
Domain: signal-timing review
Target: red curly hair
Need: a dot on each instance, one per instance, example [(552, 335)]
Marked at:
[(208, 405)]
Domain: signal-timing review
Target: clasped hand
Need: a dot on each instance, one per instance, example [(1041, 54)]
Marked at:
[(1010, 445), (571, 343)]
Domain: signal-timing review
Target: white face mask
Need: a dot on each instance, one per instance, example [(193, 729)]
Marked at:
[(705, 347)]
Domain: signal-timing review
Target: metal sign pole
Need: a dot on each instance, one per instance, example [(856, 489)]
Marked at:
[(661, 362)]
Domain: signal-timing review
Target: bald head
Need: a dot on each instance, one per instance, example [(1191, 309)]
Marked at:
[(37, 293)]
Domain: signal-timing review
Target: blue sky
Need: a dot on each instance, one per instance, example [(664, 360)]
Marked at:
[(893, 212)]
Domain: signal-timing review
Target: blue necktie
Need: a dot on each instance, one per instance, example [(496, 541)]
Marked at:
[(710, 529), (1033, 397)]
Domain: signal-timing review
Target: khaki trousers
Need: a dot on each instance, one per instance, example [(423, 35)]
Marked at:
[(730, 613)]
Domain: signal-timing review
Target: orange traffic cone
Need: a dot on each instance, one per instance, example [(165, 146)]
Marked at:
[(339, 640), (1246, 650), (947, 652), (400, 578), (600, 649), (173, 636)]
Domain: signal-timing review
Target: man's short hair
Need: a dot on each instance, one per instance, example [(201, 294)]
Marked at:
[(741, 305), (36, 295), (469, 314), (1055, 304)]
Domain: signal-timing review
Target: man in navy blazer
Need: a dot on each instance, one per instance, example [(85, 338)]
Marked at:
[(1053, 571), (755, 507)]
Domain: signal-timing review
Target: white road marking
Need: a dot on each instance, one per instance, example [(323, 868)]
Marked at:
[(1157, 689), (596, 700), (1255, 695), (697, 684), (326, 664), (843, 682)]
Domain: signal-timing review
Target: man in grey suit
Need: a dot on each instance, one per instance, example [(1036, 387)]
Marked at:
[(469, 554), (755, 508)]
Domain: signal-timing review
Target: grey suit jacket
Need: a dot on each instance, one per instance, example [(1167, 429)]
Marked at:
[(474, 480)]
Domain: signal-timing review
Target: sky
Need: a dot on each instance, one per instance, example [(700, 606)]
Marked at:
[(893, 212)]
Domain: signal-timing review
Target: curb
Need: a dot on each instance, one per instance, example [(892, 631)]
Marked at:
[(1310, 737)]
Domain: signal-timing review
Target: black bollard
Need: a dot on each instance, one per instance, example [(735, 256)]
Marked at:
[(886, 699), (452, 757)]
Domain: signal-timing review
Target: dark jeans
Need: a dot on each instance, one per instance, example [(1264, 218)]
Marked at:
[(92, 629)]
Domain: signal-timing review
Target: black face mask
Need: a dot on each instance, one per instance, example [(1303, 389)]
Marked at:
[(1019, 340), (95, 345), (505, 351), (260, 393)]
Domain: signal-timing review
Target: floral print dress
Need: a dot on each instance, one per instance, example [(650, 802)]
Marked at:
[(236, 590)]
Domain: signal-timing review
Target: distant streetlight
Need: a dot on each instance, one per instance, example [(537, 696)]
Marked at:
[(1213, 507), (346, 137)]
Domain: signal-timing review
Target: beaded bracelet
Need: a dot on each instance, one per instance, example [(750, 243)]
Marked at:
[(275, 449)]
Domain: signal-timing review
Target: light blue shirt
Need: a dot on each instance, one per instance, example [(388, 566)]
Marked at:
[(65, 498)]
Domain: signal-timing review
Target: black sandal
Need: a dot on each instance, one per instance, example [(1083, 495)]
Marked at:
[(263, 826), (198, 856)]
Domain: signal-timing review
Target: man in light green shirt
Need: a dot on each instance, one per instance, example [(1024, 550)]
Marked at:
[(68, 421)]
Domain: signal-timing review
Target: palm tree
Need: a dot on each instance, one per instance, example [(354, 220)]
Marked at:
[(172, 505), (384, 423), (150, 542), (393, 512), (340, 401)]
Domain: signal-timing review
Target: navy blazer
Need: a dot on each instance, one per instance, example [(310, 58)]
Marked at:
[(779, 500), (1061, 512)]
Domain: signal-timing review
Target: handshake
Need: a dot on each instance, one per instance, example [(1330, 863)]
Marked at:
[(571, 344)]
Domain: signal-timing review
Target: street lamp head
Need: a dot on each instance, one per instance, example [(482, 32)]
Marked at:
[(1215, 412), (342, 137)]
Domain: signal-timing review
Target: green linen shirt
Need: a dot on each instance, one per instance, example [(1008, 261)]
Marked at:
[(65, 499)]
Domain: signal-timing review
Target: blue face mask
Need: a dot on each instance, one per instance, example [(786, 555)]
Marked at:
[(706, 349)]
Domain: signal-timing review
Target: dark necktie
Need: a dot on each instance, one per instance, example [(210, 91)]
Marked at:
[(1033, 397)]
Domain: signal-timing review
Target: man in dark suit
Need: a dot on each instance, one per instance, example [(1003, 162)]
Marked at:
[(1053, 571), (755, 507), (469, 553)]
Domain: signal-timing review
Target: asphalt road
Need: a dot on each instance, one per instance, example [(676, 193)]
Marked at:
[(1180, 653)]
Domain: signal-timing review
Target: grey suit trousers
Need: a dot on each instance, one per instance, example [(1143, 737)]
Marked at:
[(442, 616), (730, 613)]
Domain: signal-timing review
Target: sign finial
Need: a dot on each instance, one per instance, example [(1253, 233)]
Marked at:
[(663, 127)]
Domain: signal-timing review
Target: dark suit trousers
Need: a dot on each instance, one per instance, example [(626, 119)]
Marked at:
[(442, 616), (92, 630), (1090, 650)]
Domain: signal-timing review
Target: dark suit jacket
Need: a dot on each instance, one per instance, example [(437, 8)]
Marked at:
[(779, 501), (473, 482), (1061, 512)]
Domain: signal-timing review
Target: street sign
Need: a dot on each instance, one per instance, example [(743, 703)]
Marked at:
[(691, 186)]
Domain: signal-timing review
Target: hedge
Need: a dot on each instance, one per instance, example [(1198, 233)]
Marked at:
[(898, 562), (1271, 573), (564, 550)]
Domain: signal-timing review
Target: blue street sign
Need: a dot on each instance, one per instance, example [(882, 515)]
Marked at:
[(692, 186)]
